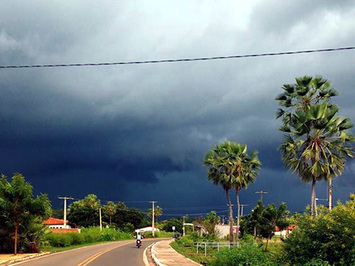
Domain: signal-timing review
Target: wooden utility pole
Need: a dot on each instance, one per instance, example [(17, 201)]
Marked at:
[(261, 192), (152, 202), (65, 209)]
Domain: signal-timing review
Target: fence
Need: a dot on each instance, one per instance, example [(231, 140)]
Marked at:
[(216, 245)]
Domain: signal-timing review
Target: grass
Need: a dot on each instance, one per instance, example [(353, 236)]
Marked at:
[(189, 251)]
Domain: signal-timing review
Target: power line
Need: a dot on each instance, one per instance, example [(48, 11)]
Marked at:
[(178, 60)]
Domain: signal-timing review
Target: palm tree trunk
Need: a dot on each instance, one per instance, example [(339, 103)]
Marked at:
[(313, 198), (238, 213), (330, 193), (231, 235)]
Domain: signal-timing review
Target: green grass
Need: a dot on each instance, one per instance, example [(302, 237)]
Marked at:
[(190, 252), (186, 248)]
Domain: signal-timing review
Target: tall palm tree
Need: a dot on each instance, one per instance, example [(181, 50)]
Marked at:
[(243, 170), (316, 141), (216, 160), (230, 166)]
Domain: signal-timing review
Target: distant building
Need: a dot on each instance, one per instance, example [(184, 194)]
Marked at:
[(284, 232), (57, 226), (146, 229)]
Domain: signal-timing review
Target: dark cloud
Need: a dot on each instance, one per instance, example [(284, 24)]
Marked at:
[(145, 128)]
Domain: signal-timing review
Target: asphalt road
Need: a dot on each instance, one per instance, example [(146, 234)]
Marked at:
[(114, 253)]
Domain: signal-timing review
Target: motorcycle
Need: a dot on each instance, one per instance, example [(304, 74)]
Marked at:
[(138, 243)]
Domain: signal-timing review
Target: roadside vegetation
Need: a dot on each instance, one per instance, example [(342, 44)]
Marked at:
[(327, 239)]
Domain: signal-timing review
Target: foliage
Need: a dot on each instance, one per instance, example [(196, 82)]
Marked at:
[(185, 241), (168, 225), (329, 237), (57, 213), (210, 221), (21, 215), (85, 212), (109, 210), (158, 211), (128, 228), (251, 224), (272, 217), (126, 215), (230, 167), (261, 222), (87, 235), (247, 254), (316, 141)]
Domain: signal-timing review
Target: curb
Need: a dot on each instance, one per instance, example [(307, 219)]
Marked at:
[(8, 262), (154, 257)]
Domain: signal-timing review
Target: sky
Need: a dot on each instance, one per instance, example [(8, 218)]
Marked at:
[(138, 133)]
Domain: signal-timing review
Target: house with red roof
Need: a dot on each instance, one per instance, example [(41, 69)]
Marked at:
[(57, 226), (284, 232)]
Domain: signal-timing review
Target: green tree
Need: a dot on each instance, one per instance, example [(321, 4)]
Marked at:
[(109, 210), (316, 141), (18, 208), (85, 212), (210, 221), (329, 237), (168, 225), (251, 224), (272, 217)]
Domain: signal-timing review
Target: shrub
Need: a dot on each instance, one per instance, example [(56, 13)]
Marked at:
[(185, 241), (87, 235), (329, 237), (59, 240), (247, 254)]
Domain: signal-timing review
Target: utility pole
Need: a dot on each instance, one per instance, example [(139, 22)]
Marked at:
[(242, 208), (261, 192), (152, 202), (100, 219), (65, 209), (183, 225)]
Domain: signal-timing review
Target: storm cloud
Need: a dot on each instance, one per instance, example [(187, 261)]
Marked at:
[(141, 131)]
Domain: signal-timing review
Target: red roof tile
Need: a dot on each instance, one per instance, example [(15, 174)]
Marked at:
[(54, 221)]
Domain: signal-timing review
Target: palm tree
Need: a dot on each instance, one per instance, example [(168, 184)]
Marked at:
[(316, 140), (230, 166), (158, 211), (110, 209), (216, 160), (243, 170)]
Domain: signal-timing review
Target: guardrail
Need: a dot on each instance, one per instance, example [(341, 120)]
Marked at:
[(216, 245)]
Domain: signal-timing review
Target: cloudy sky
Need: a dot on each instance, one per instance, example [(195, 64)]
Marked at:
[(140, 132)]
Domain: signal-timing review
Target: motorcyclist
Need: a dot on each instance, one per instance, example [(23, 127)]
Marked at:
[(139, 239)]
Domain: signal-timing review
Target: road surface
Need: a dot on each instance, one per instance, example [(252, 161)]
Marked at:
[(114, 253)]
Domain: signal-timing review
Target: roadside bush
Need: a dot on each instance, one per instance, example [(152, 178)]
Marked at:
[(185, 241), (247, 254), (77, 239), (327, 238), (59, 240), (87, 235)]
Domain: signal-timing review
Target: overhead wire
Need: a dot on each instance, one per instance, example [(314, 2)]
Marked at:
[(177, 60)]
